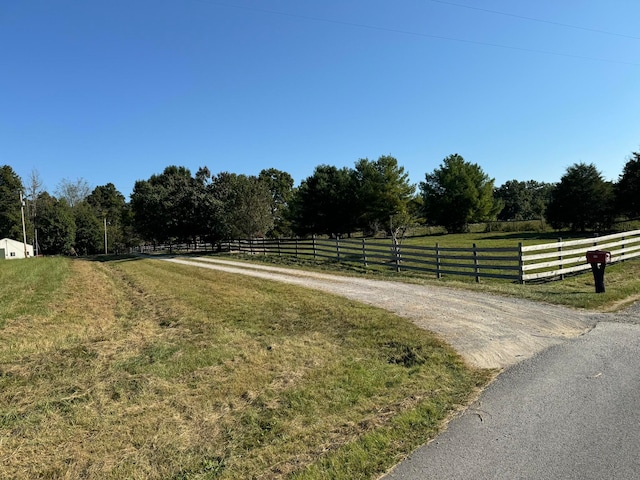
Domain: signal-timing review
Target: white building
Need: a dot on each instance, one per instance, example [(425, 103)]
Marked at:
[(12, 249)]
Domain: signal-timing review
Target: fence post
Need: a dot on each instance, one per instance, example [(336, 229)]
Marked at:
[(315, 252), (476, 267), (560, 257), (438, 262), (279, 253), (520, 264), (264, 247), (396, 250), (364, 253), (622, 248), (338, 247), (296, 247)]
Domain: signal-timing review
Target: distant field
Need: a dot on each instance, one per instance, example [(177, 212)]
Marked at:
[(144, 369), (490, 239)]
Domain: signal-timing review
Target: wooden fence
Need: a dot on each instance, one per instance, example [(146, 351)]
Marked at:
[(518, 263), (562, 257), (475, 262)]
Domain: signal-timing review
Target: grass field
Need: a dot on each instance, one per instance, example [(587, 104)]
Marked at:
[(145, 369)]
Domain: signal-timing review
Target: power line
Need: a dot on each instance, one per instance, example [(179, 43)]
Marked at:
[(420, 34), (533, 19)]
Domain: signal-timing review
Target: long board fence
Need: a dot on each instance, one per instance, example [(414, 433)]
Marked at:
[(518, 263), (437, 260)]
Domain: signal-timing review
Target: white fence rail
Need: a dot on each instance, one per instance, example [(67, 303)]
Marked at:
[(562, 257)]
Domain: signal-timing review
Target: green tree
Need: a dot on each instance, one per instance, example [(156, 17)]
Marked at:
[(164, 207), (109, 206), (582, 200), (627, 190), (523, 200), (457, 194), (10, 208), (56, 226), (243, 208), (383, 194), (324, 203), (89, 238), (280, 185)]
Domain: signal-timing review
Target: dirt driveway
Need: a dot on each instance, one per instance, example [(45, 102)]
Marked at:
[(488, 331)]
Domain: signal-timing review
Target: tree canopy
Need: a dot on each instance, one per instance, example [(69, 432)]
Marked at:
[(164, 207), (374, 196), (382, 191), (628, 188), (523, 200), (280, 185), (582, 200), (324, 203), (10, 215), (457, 194), (56, 226), (244, 206)]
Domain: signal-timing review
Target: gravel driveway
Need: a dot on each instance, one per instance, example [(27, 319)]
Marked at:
[(489, 331)]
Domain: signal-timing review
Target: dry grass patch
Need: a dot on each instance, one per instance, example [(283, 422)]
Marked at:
[(146, 369)]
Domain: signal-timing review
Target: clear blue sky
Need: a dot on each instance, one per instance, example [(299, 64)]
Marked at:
[(115, 91)]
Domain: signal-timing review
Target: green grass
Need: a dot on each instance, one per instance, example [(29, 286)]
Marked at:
[(491, 239), (622, 282), (146, 369), (27, 289)]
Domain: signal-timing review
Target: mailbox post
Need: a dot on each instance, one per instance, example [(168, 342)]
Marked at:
[(598, 260)]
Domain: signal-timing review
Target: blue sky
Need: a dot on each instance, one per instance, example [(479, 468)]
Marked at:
[(115, 91)]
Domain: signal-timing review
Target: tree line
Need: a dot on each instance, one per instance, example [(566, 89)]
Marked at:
[(372, 197)]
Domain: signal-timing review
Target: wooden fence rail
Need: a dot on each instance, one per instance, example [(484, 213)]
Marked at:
[(475, 262), (518, 263)]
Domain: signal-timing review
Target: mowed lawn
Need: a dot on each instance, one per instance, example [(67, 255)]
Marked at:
[(143, 369)]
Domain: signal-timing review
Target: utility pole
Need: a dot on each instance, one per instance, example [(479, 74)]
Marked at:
[(24, 230), (105, 235)]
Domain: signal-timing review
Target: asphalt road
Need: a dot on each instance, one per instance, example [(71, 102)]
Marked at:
[(570, 412)]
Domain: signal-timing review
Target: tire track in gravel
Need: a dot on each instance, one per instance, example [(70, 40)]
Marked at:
[(489, 331)]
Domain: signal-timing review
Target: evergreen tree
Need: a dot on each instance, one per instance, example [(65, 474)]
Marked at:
[(582, 200), (457, 194)]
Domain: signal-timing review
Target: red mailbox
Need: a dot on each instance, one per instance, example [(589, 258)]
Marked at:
[(598, 256), (598, 260)]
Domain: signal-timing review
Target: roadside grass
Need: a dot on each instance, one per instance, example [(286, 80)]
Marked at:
[(146, 369), (488, 239), (622, 282), (28, 291)]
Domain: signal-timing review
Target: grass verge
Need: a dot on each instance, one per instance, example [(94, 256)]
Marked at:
[(146, 369)]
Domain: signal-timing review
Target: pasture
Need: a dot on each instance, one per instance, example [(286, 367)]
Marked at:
[(131, 368)]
